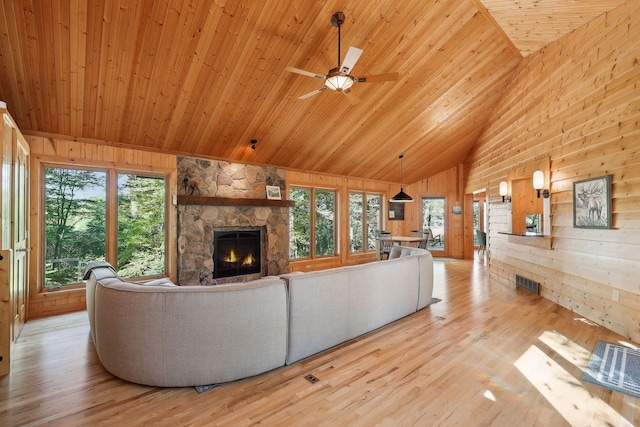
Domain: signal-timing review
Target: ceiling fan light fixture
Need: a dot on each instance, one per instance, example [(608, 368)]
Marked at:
[(339, 81)]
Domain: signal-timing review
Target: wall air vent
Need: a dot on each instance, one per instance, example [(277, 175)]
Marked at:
[(528, 284)]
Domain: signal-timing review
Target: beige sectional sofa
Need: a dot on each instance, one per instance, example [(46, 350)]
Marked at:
[(165, 335), (332, 306), (175, 336)]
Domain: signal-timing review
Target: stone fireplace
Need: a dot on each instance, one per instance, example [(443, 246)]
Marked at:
[(197, 223)]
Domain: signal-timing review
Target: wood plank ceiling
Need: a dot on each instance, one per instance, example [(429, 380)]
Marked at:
[(204, 77)]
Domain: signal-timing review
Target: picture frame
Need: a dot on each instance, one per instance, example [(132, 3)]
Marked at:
[(396, 211), (273, 192), (592, 203)]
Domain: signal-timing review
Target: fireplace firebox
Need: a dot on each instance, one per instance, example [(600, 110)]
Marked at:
[(236, 252)]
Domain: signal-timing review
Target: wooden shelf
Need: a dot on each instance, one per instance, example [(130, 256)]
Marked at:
[(536, 240), (225, 201)]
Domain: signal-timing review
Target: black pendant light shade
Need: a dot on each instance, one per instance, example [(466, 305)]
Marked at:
[(401, 197)]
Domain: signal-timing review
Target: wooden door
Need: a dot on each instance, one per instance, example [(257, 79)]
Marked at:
[(6, 254), (20, 232)]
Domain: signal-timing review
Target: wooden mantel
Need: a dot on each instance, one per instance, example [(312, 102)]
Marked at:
[(226, 201)]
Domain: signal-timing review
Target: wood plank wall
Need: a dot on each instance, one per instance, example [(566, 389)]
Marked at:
[(446, 184), (44, 303), (578, 102)]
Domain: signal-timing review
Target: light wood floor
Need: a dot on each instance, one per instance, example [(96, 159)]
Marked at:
[(486, 354)]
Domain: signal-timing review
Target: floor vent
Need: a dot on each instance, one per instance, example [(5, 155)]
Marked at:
[(311, 379), (528, 284)]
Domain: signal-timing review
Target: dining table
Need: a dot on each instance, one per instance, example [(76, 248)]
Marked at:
[(401, 240), (406, 239)]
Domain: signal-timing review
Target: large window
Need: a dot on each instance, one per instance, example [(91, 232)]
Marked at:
[(312, 223), (77, 220), (364, 221)]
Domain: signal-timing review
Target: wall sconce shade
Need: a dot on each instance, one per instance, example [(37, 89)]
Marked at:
[(401, 196), (538, 184), (504, 191)]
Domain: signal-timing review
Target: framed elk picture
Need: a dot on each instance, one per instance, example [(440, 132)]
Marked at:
[(592, 203)]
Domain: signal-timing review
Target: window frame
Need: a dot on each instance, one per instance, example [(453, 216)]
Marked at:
[(312, 220), (111, 217), (365, 241)]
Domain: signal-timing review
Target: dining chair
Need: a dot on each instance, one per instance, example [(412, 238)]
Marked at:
[(386, 244), (423, 243), (482, 240), (431, 239)]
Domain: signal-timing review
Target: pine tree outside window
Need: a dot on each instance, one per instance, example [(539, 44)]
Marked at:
[(77, 218), (312, 223)]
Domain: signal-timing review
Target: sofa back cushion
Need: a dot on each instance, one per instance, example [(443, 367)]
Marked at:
[(381, 292), (190, 335), (329, 307), (318, 311)]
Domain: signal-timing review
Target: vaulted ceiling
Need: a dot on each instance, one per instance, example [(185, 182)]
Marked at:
[(205, 77)]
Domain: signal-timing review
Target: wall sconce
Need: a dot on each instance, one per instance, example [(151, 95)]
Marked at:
[(504, 190), (538, 184)]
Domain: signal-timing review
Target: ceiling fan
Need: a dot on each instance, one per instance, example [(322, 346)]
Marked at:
[(340, 79)]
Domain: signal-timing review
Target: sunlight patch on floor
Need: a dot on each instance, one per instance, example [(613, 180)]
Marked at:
[(585, 321), (566, 348), (567, 395), (487, 394)]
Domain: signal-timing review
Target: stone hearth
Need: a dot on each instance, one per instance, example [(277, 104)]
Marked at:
[(210, 178)]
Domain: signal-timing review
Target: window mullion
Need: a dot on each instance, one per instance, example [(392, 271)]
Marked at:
[(365, 226), (112, 217), (312, 218)]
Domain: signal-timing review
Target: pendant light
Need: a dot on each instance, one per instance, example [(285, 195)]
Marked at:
[(401, 197)]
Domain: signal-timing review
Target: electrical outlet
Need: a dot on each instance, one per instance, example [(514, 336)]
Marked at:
[(616, 295)]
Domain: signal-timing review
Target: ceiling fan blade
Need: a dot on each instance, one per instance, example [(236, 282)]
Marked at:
[(351, 97), (386, 77), (305, 73), (315, 92), (353, 54)]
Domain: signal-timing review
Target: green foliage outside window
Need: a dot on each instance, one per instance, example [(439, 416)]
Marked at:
[(325, 222), (76, 224), (301, 216), (141, 225), (374, 203), (433, 216), (356, 224), (300, 223), (363, 216)]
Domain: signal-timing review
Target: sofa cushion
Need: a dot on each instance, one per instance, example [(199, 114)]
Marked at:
[(318, 311), (381, 292)]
